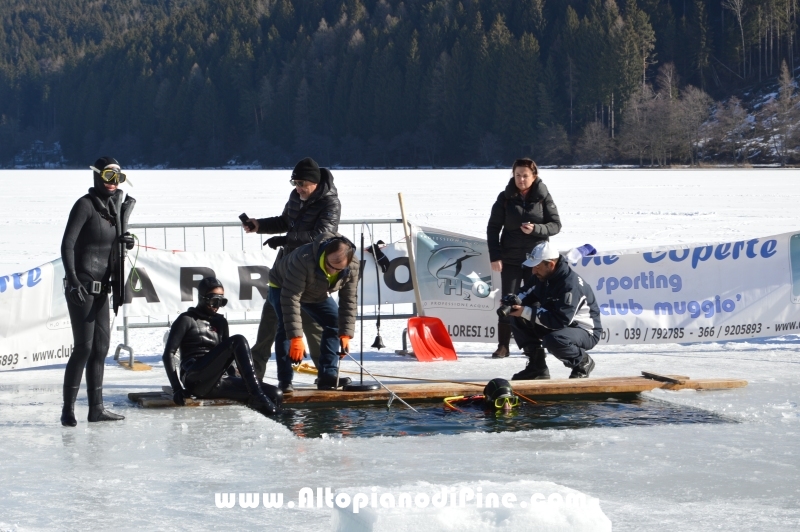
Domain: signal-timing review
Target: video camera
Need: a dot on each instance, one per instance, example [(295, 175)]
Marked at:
[(507, 302)]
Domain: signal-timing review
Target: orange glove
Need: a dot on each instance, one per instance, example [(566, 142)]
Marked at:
[(344, 342), (297, 349)]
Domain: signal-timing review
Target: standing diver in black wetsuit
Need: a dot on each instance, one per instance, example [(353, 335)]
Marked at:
[(87, 254), (207, 351)]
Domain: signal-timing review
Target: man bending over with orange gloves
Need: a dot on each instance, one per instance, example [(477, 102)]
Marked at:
[(305, 278)]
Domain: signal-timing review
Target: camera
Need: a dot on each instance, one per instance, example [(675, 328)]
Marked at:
[(507, 302)]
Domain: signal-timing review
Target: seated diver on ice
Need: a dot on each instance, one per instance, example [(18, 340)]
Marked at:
[(207, 351)]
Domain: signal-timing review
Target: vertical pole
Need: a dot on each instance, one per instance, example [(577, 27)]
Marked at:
[(124, 327), (361, 275), (411, 261)]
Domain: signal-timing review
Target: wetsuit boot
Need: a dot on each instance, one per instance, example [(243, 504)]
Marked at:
[(68, 410), (97, 411), (537, 366), (503, 339), (258, 400)]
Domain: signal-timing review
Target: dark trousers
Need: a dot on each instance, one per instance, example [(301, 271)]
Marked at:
[(510, 281), (326, 314), (91, 335), (262, 350), (568, 344), (206, 377)]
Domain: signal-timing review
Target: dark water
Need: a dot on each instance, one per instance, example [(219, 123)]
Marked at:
[(366, 421)]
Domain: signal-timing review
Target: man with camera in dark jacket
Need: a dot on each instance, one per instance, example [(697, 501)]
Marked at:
[(557, 311), (313, 208)]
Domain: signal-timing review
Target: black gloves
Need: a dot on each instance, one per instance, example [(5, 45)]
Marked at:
[(276, 241), (128, 240), (383, 260), (76, 292)]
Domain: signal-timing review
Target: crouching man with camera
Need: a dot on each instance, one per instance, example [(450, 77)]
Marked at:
[(556, 311)]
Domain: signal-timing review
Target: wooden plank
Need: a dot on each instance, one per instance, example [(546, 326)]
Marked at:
[(560, 387), (436, 391)]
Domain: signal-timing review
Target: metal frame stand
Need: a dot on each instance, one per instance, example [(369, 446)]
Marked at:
[(132, 364), (404, 351)]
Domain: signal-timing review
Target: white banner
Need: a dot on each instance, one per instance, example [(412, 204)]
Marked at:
[(166, 283), (34, 322), (678, 294), (457, 284), (682, 294), (396, 286), (698, 293)]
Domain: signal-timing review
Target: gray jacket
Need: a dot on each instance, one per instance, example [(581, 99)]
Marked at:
[(302, 280)]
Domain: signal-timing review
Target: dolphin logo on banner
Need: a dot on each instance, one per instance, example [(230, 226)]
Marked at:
[(445, 265)]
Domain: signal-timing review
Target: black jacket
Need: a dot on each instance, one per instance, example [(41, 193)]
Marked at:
[(195, 333), (303, 220), (562, 300), (512, 210)]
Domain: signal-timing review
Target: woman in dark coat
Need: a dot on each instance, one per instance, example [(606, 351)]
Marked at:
[(523, 215)]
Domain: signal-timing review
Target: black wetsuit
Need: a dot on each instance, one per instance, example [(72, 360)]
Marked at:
[(206, 352), (87, 255)]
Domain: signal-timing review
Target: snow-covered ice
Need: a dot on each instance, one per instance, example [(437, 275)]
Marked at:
[(161, 469)]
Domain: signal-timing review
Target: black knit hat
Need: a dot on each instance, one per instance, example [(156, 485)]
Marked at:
[(307, 170)]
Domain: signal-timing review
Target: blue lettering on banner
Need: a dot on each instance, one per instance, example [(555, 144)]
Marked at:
[(612, 308), (735, 250), (707, 308), (34, 277), (642, 281), (605, 259)]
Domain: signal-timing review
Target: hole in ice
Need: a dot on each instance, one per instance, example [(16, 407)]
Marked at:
[(367, 421)]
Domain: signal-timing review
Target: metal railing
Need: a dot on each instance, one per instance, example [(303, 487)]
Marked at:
[(196, 237)]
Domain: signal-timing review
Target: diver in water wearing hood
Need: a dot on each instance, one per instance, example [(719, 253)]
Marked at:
[(207, 352), (498, 397), (96, 223)]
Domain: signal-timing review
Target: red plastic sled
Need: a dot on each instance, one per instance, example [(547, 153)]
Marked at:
[(430, 340)]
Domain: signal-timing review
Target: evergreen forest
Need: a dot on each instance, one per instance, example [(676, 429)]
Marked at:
[(388, 83)]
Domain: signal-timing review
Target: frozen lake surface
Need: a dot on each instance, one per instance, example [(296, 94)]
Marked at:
[(161, 469)]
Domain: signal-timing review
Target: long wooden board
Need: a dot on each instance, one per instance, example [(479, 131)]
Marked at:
[(436, 391)]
